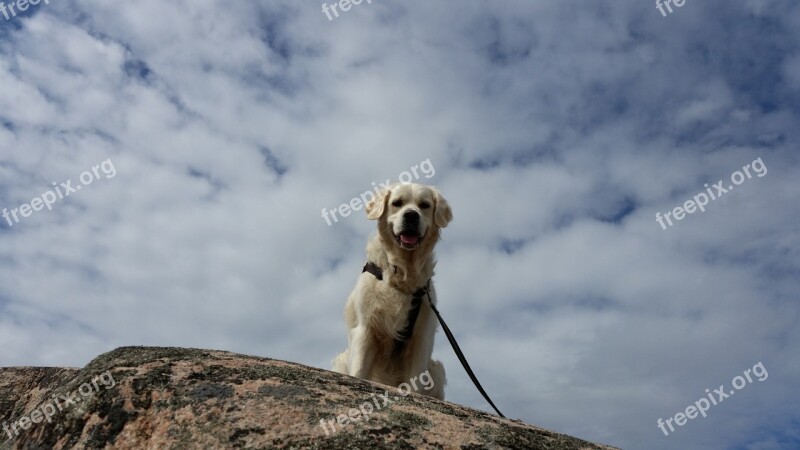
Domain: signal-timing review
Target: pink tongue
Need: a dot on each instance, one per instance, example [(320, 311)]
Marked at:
[(408, 239)]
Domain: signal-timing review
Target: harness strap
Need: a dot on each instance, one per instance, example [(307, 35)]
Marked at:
[(373, 268), (405, 334), (413, 314)]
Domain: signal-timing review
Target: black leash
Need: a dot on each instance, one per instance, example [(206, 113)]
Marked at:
[(459, 353), (406, 333)]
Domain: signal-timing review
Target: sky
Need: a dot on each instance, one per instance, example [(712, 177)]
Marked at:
[(209, 138)]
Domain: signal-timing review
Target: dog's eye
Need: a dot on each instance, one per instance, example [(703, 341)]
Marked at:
[(424, 205), (397, 203)]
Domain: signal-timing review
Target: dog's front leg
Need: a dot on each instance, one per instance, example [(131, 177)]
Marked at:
[(362, 354)]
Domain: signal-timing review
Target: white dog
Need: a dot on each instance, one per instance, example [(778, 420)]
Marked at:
[(385, 342)]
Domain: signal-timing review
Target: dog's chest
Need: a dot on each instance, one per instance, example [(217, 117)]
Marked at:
[(389, 306), (395, 311)]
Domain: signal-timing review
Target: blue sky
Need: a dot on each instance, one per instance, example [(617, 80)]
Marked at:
[(557, 129)]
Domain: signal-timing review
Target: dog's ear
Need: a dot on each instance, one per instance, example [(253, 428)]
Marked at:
[(442, 215), (376, 205)]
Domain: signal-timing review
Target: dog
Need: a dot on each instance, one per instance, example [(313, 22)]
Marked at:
[(385, 343)]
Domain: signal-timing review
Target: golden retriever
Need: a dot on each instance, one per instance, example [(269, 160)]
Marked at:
[(381, 347)]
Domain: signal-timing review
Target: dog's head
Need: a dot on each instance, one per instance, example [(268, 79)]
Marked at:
[(410, 214)]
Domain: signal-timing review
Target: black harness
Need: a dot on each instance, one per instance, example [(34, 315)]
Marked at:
[(405, 334), (416, 302)]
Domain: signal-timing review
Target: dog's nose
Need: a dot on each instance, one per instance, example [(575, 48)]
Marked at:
[(411, 217)]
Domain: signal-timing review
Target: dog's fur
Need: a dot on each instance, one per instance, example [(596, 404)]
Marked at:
[(377, 310)]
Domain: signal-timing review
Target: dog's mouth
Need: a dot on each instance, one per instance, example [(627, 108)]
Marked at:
[(408, 240)]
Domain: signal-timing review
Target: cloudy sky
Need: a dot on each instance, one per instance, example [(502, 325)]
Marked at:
[(207, 136)]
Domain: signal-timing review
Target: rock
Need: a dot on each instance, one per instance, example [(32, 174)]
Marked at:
[(175, 398)]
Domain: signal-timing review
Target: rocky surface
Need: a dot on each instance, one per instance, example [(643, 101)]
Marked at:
[(174, 398)]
